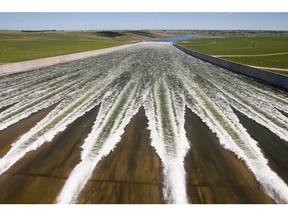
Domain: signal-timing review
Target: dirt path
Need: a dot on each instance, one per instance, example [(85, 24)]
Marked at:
[(267, 54), (214, 42), (259, 67), (270, 68)]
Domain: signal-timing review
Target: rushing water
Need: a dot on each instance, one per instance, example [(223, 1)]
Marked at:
[(164, 81)]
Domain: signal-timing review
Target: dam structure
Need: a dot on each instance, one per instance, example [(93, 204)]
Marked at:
[(179, 103)]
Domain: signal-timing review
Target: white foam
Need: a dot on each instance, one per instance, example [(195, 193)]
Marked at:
[(255, 103), (44, 131), (243, 145), (263, 111), (76, 182), (101, 142), (87, 97), (35, 91), (87, 79), (175, 182), (171, 152)]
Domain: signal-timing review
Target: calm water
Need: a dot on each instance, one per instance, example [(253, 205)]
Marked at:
[(178, 38)]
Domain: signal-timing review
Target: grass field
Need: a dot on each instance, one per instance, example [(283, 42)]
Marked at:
[(276, 61), (256, 51), (18, 46)]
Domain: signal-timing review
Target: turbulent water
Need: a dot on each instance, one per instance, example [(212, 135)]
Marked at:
[(164, 81)]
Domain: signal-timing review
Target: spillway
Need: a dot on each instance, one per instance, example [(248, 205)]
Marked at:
[(165, 82)]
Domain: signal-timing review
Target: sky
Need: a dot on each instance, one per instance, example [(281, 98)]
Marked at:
[(143, 20)]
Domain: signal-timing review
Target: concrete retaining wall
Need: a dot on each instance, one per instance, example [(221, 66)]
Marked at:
[(261, 75), (44, 62)]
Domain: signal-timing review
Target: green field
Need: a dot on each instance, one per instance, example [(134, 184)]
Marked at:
[(276, 61), (18, 46), (240, 46), (245, 50)]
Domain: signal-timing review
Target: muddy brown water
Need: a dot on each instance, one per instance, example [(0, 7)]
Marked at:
[(283, 113), (12, 133), (39, 176), (132, 172), (274, 148), (213, 174), (6, 107)]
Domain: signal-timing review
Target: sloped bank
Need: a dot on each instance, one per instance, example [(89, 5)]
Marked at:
[(261, 75), (45, 62)]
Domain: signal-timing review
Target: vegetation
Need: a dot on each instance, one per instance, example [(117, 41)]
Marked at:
[(276, 61), (238, 46), (18, 46), (263, 51)]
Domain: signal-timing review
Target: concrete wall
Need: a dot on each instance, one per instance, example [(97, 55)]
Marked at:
[(44, 62), (261, 75)]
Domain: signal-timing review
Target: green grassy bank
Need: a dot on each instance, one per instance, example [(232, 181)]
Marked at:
[(18, 46), (267, 51)]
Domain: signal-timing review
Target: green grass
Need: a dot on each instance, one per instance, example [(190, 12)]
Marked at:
[(18, 46), (238, 45), (279, 61), (245, 46)]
